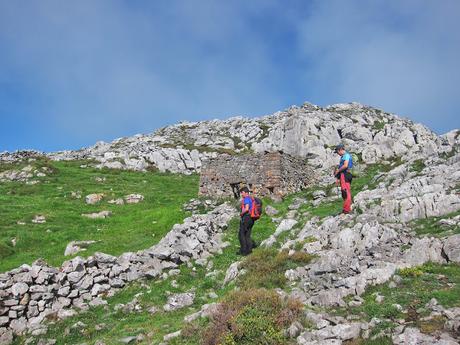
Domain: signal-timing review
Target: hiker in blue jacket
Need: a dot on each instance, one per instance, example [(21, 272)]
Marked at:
[(246, 223), (344, 177)]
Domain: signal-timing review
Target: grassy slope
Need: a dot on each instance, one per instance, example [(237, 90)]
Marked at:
[(119, 325), (130, 228), (154, 327)]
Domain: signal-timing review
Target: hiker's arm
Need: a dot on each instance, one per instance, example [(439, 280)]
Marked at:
[(245, 209), (344, 167)]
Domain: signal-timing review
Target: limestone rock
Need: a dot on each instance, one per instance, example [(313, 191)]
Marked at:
[(39, 219), (232, 272), (179, 301), (76, 246), (271, 211), (424, 250), (452, 248), (92, 199), (414, 336), (19, 289), (134, 198), (285, 225), (128, 340), (97, 215), (6, 337), (118, 201), (170, 336)]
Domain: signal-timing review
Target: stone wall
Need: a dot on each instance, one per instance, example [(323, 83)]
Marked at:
[(267, 174), (32, 293)]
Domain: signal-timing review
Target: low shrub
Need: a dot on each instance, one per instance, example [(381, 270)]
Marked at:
[(411, 272), (256, 316)]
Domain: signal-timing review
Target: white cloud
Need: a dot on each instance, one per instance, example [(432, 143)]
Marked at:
[(400, 55)]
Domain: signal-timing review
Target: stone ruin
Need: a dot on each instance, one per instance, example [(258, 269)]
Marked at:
[(273, 174)]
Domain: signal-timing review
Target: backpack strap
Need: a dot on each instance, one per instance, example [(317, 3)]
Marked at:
[(253, 207)]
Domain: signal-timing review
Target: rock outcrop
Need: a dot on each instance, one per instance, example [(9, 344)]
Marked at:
[(307, 131)]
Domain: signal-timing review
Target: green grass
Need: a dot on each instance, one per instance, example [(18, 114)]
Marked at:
[(378, 125), (155, 292), (266, 267), (430, 226), (130, 228), (417, 166)]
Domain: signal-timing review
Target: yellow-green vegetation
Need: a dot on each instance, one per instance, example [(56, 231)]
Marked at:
[(266, 267), (430, 226), (411, 272), (60, 197), (407, 301)]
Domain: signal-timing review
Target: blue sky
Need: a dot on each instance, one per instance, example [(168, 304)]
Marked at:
[(75, 72)]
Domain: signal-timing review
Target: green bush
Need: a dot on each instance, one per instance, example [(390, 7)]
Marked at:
[(411, 272), (378, 125), (417, 166), (255, 316)]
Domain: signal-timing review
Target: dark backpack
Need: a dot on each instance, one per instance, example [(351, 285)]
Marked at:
[(256, 210)]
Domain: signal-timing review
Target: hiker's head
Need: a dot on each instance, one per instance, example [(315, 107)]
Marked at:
[(340, 149), (244, 191)]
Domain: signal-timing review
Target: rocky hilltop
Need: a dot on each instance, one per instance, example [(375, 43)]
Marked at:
[(307, 131)]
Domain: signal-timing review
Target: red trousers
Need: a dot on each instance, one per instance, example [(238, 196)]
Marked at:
[(346, 194)]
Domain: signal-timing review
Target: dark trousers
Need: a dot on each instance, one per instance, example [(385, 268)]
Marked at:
[(244, 234)]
